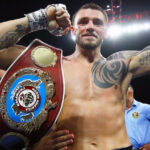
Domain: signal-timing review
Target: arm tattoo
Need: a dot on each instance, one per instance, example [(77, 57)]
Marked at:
[(11, 37), (117, 55), (122, 55), (144, 58), (106, 74)]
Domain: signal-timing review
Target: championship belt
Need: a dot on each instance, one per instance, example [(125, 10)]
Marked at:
[(31, 95)]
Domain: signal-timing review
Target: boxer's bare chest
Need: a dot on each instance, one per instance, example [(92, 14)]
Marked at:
[(89, 80), (82, 92), (85, 102), (88, 108)]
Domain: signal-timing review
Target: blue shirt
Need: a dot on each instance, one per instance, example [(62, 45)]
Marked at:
[(137, 120)]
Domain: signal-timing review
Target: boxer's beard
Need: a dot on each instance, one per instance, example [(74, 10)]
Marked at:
[(88, 45)]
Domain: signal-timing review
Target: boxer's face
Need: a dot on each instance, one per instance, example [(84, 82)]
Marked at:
[(89, 28)]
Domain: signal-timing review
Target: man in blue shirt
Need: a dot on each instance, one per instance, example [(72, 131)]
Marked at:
[(137, 119)]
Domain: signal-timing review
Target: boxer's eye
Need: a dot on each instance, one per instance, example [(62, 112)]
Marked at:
[(83, 21), (98, 22)]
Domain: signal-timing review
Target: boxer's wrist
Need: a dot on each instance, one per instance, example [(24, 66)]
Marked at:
[(37, 20), (40, 19)]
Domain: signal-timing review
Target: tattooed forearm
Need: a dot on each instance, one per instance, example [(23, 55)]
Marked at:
[(107, 74), (144, 58), (11, 37)]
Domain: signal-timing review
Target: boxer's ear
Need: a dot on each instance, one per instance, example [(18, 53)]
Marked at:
[(72, 30), (73, 35)]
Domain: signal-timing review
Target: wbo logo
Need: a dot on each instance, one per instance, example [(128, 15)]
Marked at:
[(25, 99)]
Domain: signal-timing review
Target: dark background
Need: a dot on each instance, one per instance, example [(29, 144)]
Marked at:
[(13, 9)]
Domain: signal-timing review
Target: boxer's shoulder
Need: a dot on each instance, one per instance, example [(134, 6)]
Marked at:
[(122, 54)]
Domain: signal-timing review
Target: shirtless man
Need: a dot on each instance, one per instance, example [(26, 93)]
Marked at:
[(96, 87)]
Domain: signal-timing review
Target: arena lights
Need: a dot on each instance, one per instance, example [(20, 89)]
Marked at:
[(116, 30), (73, 37)]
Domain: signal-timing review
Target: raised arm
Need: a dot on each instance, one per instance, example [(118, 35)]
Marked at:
[(12, 31), (140, 63), (49, 18), (53, 18)]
